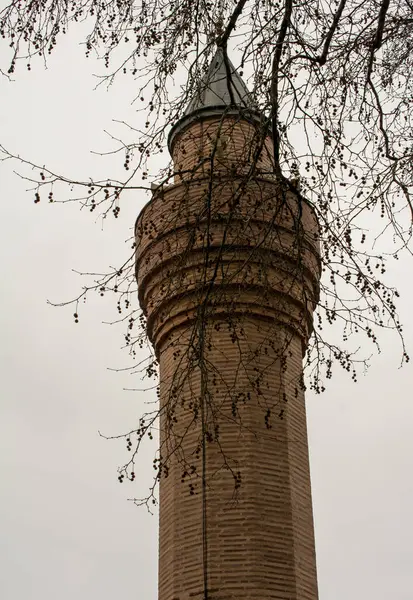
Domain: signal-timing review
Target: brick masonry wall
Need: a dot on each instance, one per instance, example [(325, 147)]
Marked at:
[(231, 143), (234, 263)]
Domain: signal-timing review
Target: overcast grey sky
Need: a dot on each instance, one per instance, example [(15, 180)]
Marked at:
[(67, 528)]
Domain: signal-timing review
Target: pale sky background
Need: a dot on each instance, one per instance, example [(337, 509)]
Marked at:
[(67, 529)]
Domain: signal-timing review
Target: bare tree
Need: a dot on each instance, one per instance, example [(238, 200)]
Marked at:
[(331, 91)]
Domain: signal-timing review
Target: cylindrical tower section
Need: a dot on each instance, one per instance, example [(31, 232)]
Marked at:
[(228, 273), (224, 143)]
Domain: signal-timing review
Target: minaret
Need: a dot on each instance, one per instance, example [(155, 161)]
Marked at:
[(228, 270)]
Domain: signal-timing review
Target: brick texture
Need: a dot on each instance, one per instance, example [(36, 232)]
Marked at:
[(228, 271)]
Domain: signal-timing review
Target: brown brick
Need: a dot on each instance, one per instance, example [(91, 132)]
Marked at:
[(258, 243)]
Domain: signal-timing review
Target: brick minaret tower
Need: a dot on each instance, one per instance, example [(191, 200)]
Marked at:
[(228, 271)]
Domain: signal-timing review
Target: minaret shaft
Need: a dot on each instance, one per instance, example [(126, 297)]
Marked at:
[(260, 541), (228, 270)]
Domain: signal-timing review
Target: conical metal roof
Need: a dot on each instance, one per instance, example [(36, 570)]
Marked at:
[(215, 87), (218, 91)]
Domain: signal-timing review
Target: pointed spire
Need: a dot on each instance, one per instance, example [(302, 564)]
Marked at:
[(218, 91)]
